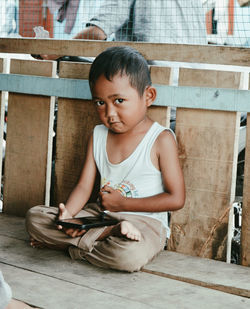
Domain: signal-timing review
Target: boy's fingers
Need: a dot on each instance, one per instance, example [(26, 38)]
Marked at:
[(63, 212), (77, 233), (62, 207), (106, 189), (81, 233), (69, 231), (74, 233)]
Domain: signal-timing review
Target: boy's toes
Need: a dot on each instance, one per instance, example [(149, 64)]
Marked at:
[(36, 244), (130, 231)]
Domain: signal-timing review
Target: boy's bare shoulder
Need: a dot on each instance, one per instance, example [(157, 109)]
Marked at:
[(166, 136), (165, 142)]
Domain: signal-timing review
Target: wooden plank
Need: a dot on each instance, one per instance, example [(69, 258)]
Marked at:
[(74, 70), (44, 269), (163, 76), (181, 96), (37, 290), (76, 120), (208, 153), (13, 227), (233, 279), (38, 85), (29, 127), (245, 229), (3, 68), (152, 51)]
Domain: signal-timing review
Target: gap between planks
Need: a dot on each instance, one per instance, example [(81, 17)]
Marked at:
[(60, 279), (218, 287)]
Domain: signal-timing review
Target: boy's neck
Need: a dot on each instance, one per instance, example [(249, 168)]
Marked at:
[(121, 145)]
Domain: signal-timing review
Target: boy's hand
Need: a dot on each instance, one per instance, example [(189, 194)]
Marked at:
[(65, 214), (73, 232), (111, 199)]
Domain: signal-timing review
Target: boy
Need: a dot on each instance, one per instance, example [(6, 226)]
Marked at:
[(137, 159)]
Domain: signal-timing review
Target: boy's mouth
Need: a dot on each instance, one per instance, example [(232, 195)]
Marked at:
[(113, 122)]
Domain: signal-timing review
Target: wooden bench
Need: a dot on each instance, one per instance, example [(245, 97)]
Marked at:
[(208, 104)]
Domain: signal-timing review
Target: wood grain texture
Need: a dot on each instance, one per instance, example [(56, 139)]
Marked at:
[(228, 278), (208, 155), (174, 279), (162, 76), (245, 232), (76, 120), (2, 114), (27, 143), (152, 51)]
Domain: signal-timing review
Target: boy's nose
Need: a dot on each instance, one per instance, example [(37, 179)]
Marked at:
[(110, 111)]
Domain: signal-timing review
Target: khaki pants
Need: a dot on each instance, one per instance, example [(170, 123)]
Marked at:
[(113, 252)]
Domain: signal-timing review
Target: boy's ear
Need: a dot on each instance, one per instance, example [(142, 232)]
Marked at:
[(150, 93)]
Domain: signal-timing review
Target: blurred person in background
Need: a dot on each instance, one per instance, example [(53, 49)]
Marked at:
[(159, 21), (8, 18)]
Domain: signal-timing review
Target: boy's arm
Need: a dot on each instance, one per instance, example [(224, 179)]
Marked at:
[(174, 196), (81, 193)]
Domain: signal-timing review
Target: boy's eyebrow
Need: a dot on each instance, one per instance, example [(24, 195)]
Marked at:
[(115, 95)]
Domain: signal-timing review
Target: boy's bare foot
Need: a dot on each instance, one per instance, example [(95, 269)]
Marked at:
[(129, 230), (123, 228), (36, 244), (40, 245)]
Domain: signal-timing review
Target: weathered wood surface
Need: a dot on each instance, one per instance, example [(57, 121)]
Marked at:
[(229, 278), (163, 76), (75, 122), (76, 118), (182, 96), (208, 155), (27, 143), (245, 237), (2, 112), (152, 51), (50, 279)]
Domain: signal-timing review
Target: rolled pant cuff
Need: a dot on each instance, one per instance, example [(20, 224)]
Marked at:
[(88, 240)]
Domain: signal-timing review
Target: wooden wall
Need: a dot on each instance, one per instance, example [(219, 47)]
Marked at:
[(245, 238), (207, 142), (27, 144), (208, 153), (76, 120), (2, 109)]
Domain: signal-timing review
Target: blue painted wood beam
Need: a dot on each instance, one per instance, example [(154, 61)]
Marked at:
[(186, 97)]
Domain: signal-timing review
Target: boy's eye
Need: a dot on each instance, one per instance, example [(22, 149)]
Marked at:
[(119, 101), (99, 103)]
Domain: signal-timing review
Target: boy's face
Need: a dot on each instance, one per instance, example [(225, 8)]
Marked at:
[(119, 105)]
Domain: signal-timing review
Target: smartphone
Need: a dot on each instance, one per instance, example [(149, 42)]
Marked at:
[(86, 223)]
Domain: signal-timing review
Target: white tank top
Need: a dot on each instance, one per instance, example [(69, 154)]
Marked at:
[(136, 176)]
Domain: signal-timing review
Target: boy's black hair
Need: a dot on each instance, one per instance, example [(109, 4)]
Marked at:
[(122, 60)]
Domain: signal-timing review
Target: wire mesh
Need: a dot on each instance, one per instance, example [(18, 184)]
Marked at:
[(224, 22)]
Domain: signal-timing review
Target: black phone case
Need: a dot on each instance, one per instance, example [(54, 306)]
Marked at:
[(87, 222)]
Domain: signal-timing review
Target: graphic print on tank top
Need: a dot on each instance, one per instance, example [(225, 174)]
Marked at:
[(125, 188)]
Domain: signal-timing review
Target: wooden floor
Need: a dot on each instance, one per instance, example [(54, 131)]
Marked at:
[(50, 279)]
